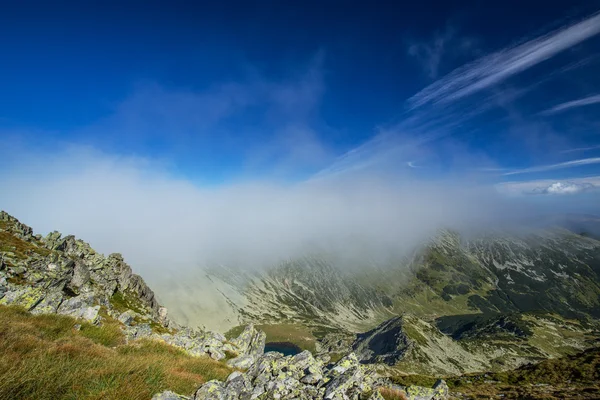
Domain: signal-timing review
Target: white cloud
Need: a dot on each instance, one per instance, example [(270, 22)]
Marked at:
[(161, 222), (573, 104), (567, 188), (550, 186), (496, 67), (577, 149)]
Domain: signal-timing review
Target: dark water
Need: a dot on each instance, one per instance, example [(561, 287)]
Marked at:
[(288, 349)]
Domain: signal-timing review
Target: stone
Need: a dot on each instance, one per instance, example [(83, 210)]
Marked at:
[(163, 316), (216, 354), (312, 379), (340, 384), (81, 276), (250, 341), (127, 318), (441, 390), (419, 393), (211, 390), (80, 307), (24, 296), (345, 363), (241, 362), (376, 396), (49, 304), (168, 395)]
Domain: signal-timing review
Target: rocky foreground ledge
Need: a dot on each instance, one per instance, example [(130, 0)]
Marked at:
[(64, 275), (273, 376)]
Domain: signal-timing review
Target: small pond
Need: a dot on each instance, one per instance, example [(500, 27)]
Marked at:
[(288, 349)]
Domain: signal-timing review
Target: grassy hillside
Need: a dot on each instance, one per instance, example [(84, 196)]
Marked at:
[(47, 357), (576, 376)]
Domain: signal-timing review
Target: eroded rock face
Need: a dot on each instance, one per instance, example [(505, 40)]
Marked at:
[(439, 391), (60, 274), (273, 376), (301, 376), (387, 343)]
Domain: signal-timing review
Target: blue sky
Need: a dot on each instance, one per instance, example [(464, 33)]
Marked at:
[(306, 122), (222, 93)]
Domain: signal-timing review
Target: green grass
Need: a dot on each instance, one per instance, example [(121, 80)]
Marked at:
[(20, 248), (123, 302), (44, 357), (297, 334)]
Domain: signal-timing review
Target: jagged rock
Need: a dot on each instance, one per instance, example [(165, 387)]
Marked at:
[(376, 396), (338, 386), (168, 395), (273, 376), (237, 385), (24, 296), (216, 354), (211, 390), (386, 343), (49, 303), (127, 317), (163, 316), (242, 362), (81, 276), (80, 307), (442, 390), (312, 379), (250, 341), (345, 363), (439, 391), (138, 331)]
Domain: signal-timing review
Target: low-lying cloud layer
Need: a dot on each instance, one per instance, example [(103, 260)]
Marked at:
[(161, 223)]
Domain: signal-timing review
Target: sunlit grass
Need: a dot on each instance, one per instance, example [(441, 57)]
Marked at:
[(45, 357)]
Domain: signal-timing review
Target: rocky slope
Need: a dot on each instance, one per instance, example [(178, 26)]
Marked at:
[(64, 275), (547, 279)]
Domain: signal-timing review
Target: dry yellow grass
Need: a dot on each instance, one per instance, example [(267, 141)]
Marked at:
[(391, 394), (44, 357)]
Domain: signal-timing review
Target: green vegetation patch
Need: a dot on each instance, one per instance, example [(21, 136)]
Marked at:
[(19, 247), (297, 334), (45, 357)]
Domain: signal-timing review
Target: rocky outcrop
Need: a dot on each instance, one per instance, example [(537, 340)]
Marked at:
[(274, 376), (65, 275), (387, 343), (302, 376)]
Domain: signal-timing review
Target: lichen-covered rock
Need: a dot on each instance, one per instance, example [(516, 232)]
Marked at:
[(211, 390), (49, 304), (127, 317), (250, 341), (439, 391), (81, 306), (242, 362), (168, 395), (139, 331), (376, 395), (274, 376)]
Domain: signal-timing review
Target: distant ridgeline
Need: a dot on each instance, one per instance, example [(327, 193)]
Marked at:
[(56, 275), (66, 276), (493, 302)]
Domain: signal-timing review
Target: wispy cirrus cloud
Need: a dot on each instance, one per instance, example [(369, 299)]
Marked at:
[(586, 101), (420, 126), (496, 67), (550, 167), (578, 149)]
